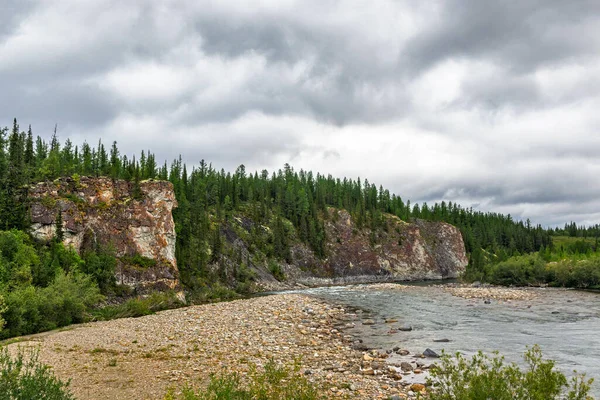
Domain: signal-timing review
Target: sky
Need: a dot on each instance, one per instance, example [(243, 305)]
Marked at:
[(495, 105)]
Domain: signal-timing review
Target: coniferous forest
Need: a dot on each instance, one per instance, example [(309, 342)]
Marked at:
[(36, 278)]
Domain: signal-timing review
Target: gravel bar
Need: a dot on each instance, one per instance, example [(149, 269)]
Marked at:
[(140, 358)]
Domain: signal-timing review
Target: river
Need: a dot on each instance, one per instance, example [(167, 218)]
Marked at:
[(565, 323)]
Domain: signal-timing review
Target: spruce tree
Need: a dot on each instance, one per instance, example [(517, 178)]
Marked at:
[(59, 233)]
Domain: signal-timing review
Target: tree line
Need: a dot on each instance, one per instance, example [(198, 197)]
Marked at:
[(208, 196)]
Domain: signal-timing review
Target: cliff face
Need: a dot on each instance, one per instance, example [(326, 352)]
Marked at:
[(100, 211), (399, 251), (106, 212)]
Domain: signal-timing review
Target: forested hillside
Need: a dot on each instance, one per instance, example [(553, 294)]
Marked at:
[(207, 199), (296, 195)]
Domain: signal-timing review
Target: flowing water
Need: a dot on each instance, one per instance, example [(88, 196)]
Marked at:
[(565, 323)]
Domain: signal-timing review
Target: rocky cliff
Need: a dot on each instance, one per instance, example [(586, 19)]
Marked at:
[(420, 250), (133, 221), (138, 222), (398, 250)]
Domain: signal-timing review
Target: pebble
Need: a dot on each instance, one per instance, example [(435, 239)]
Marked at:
[(193, 342)]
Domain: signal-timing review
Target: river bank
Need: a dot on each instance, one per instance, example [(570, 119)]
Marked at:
[(466, 318), (140, 358)]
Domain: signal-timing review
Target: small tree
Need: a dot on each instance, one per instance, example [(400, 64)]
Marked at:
[(483, 378), (59, 234), (23, 377)]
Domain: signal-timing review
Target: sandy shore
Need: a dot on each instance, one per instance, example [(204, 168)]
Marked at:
[(140, 358)]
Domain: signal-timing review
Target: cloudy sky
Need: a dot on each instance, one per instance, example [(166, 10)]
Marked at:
[(495, 105)]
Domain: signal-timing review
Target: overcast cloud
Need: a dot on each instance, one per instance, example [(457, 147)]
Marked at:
[(495, 105)]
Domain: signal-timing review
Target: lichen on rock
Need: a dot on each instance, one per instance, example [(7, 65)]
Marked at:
[(102, 211)]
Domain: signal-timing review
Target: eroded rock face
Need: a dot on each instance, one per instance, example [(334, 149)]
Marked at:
[(103, 211), (402, 251)]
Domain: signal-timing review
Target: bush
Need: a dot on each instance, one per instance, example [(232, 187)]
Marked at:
[(276, 270), (139, 306), (101, 265), (24, 378), (273, 383), (2, 310), (65, 301), (483, 378), (521, 270), (17, 258), (69, 298)]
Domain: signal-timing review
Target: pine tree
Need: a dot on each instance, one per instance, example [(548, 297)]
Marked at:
[(59, 233)]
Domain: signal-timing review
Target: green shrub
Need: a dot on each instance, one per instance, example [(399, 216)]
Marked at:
[(139, 306), (139, 260), (483, 378), (101, 265), (2, 310), (68, 299), (211, 293), (17, 258), (65, 301), (272, 383), (522, 270), (24, 378), (276, 270)]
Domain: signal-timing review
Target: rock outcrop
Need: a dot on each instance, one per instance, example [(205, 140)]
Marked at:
[(132, 221), (138, 222), (420, 250), (396, 251)]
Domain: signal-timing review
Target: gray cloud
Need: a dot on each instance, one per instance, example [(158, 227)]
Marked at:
[(492, 104), (519, 35)]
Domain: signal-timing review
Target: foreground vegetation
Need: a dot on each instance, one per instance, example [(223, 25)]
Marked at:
[(23, 377), (454, 378), (483, 377), (273, 382)]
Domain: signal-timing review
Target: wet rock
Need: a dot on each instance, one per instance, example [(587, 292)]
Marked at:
[(406, 367), (430, 353), (441, 340), (405, 328), (360, 347)]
